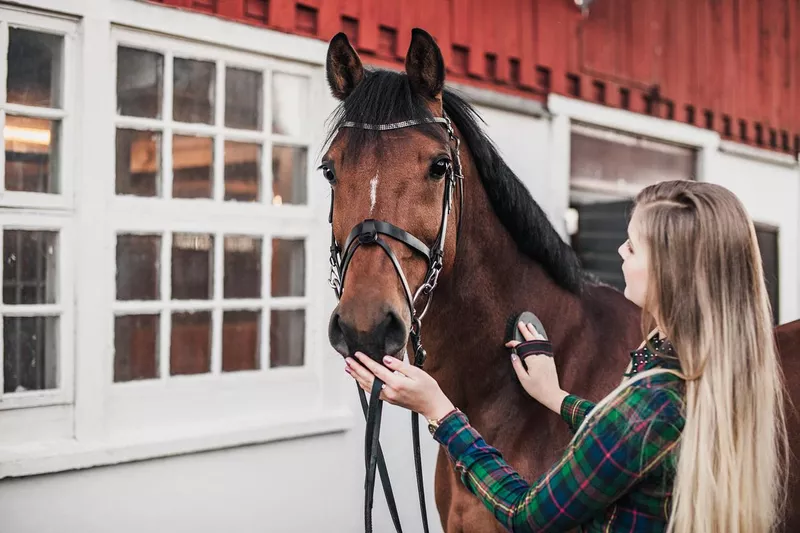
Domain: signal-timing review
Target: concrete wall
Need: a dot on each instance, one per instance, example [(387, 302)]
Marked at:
[(295, 486)]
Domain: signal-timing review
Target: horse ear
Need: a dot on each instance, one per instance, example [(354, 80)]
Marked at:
[(343, 66), (425, 65)]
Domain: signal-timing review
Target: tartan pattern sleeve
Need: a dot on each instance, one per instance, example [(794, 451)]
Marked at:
[(633, 435), (574, 410)]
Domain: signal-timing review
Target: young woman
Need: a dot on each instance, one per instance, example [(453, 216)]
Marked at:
[(693, 440)]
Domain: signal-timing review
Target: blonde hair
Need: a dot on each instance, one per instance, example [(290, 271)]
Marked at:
[(706, 294)]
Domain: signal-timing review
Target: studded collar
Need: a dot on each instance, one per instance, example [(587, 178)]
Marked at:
[(662, 355)]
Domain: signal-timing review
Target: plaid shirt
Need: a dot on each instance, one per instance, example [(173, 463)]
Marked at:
[(617, 475)]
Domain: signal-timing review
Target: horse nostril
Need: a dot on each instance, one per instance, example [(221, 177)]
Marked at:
[(337, 336), (395, 334)]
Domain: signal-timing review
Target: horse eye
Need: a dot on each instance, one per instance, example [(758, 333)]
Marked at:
[(328, 174), (440, 168)]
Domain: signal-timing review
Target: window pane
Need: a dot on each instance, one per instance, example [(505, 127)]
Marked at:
[(139, 82), (193, 98), (240, 344), (287, 338), (242, 267), (192, 266), (135, 347), (289, 102), (30, 353), (288, 267), (29, 267), (192, 166), (190, 344), (31, 146), (138, 162), (34, 68), (138, 267), (242, 171), (243, 99), (288, 175)]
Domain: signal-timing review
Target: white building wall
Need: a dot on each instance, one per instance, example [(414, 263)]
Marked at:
[(523, 141), (292, 486), (770, 193)]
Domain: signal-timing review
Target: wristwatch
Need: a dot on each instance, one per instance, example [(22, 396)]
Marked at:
[(433, 423)]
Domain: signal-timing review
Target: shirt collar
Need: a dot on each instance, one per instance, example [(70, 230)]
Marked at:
[(662, 355)]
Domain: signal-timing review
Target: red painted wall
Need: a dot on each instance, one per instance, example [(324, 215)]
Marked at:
[(725, 65)]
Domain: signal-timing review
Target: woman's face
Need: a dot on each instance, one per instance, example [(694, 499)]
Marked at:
[(635, 264)]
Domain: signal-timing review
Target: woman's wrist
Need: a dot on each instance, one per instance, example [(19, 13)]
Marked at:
[(553, 400), (440, 408)]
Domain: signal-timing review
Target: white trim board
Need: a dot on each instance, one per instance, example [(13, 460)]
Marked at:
[(632, 123), (758, 154), (60, 456)]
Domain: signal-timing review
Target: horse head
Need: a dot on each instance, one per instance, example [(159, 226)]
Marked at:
[(392, 164)]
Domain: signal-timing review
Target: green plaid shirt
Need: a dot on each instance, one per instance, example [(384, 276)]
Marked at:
[(616, 477)]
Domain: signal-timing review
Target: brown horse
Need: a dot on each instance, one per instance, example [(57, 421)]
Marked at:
[(506, 257)]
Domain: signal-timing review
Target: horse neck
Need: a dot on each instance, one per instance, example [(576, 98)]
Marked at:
[(490, 281)]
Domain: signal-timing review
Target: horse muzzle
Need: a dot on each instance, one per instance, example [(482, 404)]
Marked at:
[(386, 335)]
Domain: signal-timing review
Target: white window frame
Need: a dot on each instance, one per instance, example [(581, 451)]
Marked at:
[(170, 400), (566, 111), (45, 211), (67, 29), (622, 190), (62, 309), (108, 423)]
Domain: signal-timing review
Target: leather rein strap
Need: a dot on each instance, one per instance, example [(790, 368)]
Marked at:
[(370, 233)]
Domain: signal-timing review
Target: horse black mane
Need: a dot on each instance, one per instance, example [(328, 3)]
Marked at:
[(384, 97)]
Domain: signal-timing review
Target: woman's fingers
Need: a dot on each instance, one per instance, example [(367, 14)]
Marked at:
[(526, 333), (536, 334), (361, 374), (529, 332), (380, 371), (522, 374), (400, 367), (365, 379)]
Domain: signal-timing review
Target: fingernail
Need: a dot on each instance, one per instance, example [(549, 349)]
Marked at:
[(388, 360), (346, 369), (347, 361), (513, 357)]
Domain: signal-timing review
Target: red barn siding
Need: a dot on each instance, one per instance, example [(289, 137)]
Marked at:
[(722, 65)]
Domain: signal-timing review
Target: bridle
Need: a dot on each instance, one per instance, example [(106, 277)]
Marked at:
[(370, 233)]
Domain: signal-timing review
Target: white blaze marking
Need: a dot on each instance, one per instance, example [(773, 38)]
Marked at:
[(373, 192)]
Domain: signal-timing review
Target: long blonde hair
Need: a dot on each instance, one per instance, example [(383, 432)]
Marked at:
[(706, 294)]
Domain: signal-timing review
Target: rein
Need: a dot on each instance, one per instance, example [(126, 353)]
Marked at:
[(370, 233)]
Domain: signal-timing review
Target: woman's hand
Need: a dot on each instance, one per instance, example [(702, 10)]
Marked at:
[(404, 385), (540, 380)]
